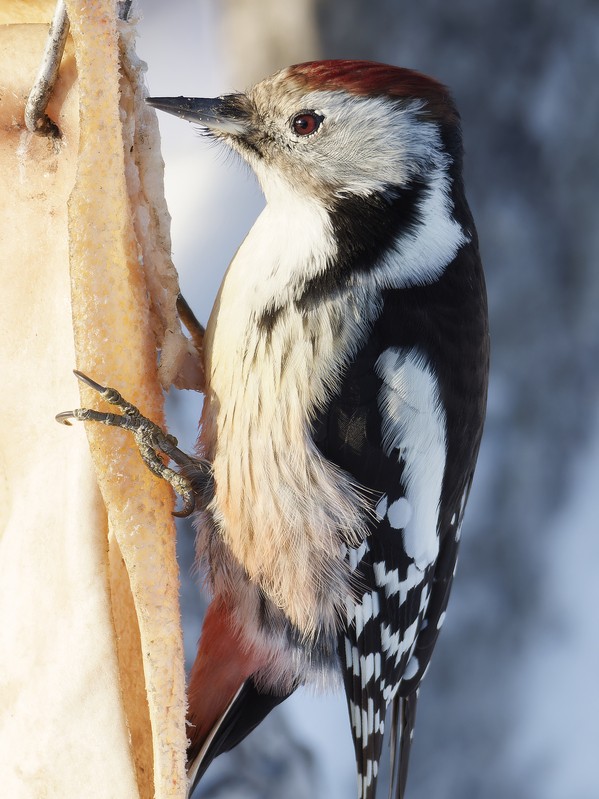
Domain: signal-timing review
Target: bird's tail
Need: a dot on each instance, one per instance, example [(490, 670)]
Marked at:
[(403, 720)]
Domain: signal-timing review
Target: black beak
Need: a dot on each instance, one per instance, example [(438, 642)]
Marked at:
[(228, 114)]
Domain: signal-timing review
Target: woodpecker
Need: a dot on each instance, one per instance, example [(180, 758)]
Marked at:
[(347, 362)]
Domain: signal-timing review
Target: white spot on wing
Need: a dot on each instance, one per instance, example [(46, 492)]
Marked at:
[(349, 609), (366, 668), (370, 666), (355, 661), (394, 644), (359, 617), (366, 609), (411, 669), (356, 555), (424, 597), (441, 620), (389, 580), (389, 691), (365, 731), (399, 513), (367, 778), (348, 653)]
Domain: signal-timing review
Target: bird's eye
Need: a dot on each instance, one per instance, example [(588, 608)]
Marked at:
[(306, 123)]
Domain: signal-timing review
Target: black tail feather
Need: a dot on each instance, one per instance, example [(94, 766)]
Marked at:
[(244, 714), (403, 720)]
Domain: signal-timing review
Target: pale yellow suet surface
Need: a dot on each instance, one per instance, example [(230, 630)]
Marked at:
[(92, 693), (14, 11)]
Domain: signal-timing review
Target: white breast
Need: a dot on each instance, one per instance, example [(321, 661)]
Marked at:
[(280, 507)]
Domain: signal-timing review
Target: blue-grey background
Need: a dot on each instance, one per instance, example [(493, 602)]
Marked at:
[(510, 706)]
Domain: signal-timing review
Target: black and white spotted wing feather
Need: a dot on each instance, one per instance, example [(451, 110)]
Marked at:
[(383, 624), (393, 623)]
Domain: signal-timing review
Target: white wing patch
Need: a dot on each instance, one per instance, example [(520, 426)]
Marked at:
[(413, 425)]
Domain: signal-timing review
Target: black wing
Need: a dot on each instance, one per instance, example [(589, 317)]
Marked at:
[(393, 624)]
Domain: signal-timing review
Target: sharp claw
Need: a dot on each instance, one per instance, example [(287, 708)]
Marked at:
[(182, 514), (88, 381), (63, 418), (188, 507)]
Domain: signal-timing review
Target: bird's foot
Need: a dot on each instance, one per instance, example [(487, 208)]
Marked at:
[(192, 483)]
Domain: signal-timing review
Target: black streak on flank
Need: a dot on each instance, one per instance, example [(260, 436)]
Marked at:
[(285, 355), (365, 228), (268, 319)]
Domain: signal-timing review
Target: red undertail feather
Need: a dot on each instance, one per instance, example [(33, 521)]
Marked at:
[(221, 667)]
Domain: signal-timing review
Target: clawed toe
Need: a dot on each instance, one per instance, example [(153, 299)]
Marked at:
[(151, 440)]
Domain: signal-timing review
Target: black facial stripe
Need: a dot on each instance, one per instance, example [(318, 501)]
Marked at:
[(365, 228)]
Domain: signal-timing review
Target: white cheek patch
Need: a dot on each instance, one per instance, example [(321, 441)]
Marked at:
[(364, 143), (413, 426)]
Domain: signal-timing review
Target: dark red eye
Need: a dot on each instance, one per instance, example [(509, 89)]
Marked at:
[(306, 123)]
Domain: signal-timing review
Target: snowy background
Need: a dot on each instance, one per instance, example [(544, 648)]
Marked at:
[(510, 706)]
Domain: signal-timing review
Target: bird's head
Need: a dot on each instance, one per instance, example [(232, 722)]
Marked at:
[(334, 129)]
